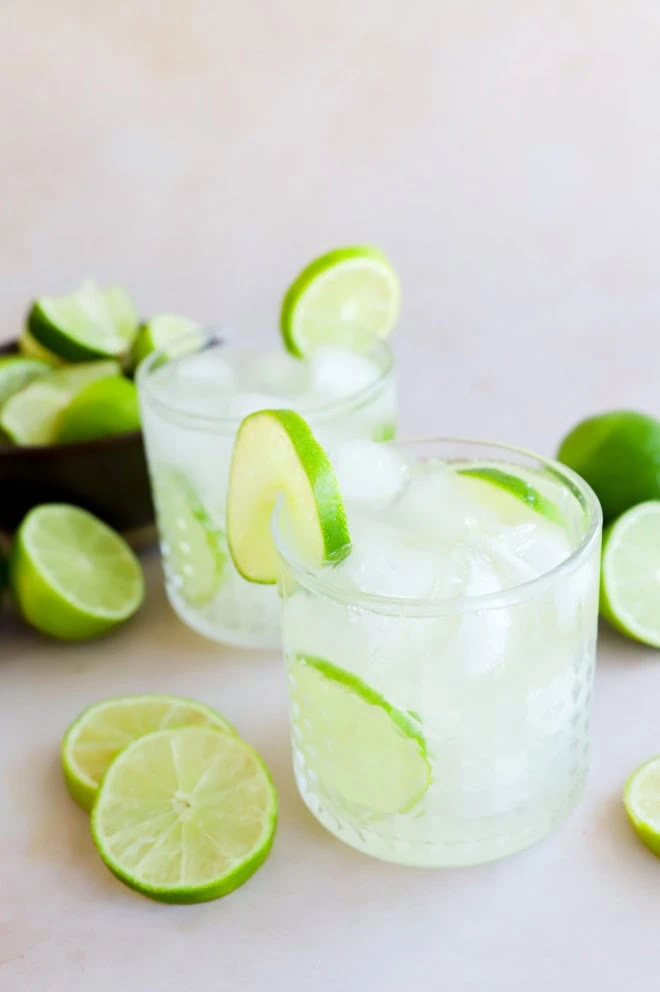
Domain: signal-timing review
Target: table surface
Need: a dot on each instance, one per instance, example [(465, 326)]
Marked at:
[(506, 156)]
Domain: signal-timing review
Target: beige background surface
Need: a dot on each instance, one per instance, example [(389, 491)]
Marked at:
[(507, 155)]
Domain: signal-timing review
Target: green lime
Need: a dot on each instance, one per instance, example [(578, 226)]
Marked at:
[(362, 748), (16, 372), (641, 798), (185, 815), (72, 575), (31, 416), (159, 332), (105, 407), (520, 489), (338, 297), (96, 737), (618, 454), (276, 455), (30, 348), (630, 573), (88, 324), (194, 549)]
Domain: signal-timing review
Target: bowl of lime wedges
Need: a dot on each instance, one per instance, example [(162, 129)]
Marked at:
[(69, 415)]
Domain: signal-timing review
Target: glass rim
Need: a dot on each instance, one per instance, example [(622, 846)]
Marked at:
[(400, 606), (206, 337)]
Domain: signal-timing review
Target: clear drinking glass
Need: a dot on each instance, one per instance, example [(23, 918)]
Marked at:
[(497, 687), (189, 442)]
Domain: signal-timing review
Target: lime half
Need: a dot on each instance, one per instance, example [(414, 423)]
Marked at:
[(194, 549), (362, 748), (31, 416), (630, 573), (641, 799), (338, 297), (185, 815), (101, 731), (277, 456), (16, 372), (73, 577), (90, 323)]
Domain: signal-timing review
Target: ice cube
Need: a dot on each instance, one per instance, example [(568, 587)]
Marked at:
[(369, 474), (338, 373), (388, 562), (277, 373), (433, 504), (208, 368)]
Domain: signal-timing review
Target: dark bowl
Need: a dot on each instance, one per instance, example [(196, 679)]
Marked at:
[(108, 477)]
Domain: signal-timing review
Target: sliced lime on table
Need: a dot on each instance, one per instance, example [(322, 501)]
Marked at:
[(16, 372), (185, 815), (88, 324), (160, 332), (31, 416), (630, 573), (339, 296), (102, 408), (73, 576), (618, 454), (194, 548), (641, 799), (30, 348), (362, 748), (101, 731), (277, 456), (518, 488)]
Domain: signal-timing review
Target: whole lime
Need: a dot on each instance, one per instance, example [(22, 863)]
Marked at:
[(108, 406), (618, 454)]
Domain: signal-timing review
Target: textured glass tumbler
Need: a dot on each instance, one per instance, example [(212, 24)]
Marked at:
[(493, 692)]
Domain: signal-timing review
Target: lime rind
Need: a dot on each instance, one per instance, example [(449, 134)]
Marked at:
[(520, 489), (641, 799), (112, 724), (182, 819), (276, 456), (161, 332), (301, 342)]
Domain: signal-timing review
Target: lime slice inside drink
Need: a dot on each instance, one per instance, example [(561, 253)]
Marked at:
[(101, 731), (338, 297), (185, 815), (73, 577)]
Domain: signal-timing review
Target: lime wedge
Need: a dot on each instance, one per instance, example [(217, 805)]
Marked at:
[(185, 815), (519, 488), (31, 416), (618, 454), (16, 372), (73, 577), (30, 348), (90, 323), (102, 408), (630, 573), (194, 549), (159, 333), (339, 297), (101, 731), (276, 455), (641, 799), (363, 749)]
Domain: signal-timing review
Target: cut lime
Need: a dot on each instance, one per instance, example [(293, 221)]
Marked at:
[(101, 731), (31, 416), (102, 408), (30, 348), (630, 573), (73, 577), (362, 748), (618, 454), (90, 323), (16, 372), (160, 332), (185, 815), (340, 296), (194, 549), (276, 455), (518, 488), (641, 799)]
